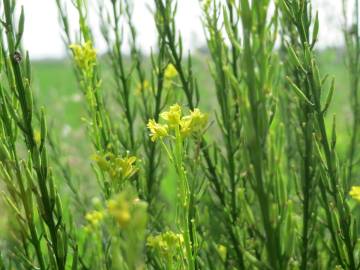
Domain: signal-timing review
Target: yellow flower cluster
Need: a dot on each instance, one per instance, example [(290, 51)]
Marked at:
[(84, 55), (117, 167), (167, 243), (170, 75), (119, 208), (94, 217), (141, 87), (125, 208), (173, 116), (170, 72), (128, 210), (157, 130), (193, 123), (355, 193)]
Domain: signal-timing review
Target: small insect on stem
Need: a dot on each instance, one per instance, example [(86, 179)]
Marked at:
[(17, 57)]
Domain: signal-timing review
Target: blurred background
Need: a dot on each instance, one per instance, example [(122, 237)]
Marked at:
[(55, 85), (56, 89), (43, 39)]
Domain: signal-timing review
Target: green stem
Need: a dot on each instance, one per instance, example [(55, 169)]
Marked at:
[(185, 200)]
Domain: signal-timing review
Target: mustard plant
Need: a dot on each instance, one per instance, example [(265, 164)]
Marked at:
[(172, 136), (248, 103), (42, 231), (299, 115), (351, 36), (256, 183), (311, 89)]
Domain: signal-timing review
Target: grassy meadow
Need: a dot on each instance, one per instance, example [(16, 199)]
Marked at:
[(56, 88)]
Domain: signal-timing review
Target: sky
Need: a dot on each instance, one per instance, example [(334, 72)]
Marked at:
[(42, 37)]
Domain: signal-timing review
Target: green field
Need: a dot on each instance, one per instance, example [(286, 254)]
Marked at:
[(57, 90)]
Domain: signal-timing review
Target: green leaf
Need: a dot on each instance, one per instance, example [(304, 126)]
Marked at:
[(295, 59), (315, 30), (299, 93), (329, 96), (333, 134), (20, 29), (43, 129)]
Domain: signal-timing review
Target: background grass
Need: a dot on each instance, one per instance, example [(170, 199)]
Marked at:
[(57, 90)]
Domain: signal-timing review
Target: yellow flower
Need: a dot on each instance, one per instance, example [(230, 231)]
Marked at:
[(128, 210), (222, 250), (126, 166), (84, 55), (117, 167), (193, 123), (37, 137), (170, 72), (185, 129), (166, 243), (119, 208), (94, 217), (142, 87), (157, 130), (172, 116), (355, 192), (156, 243), (102, 161), (198, 120)]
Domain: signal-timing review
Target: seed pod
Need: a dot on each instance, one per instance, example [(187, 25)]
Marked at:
[(28, 66), (333, 137), (36, 158), (29, 98), (44, 162), (293, 57), (20, 28), (29, 202), (60, 244), (58, 203), (43, 129), (299, 93), (317, 80), (307, 55), (329, 96), (315, 30), (28, 174), (52, 189)]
